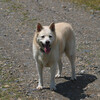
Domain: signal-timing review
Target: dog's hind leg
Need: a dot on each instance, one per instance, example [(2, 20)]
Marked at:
[(70, 52), (72, 61), (59, 69)]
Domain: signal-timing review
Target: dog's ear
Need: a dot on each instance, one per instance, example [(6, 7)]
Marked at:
[(39, 27), (52, 27)]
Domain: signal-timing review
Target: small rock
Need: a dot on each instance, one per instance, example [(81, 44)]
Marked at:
[(86, 51), (92, 16), (19, 99), (53, 7), (97, 12), (17, 81), (99, 71), (27, 49), (92, 95), (63, 6), (1, 48), (52, 92), (6, 86), (11, 99), (83, 5), (36, 0), (70, 9), (3, 89), (82, 71), (98, 39), (85, 88), (98, 94), (17, 30), (5, 35), (92, 11)]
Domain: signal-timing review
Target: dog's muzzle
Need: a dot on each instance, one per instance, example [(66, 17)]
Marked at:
[(46, 47)]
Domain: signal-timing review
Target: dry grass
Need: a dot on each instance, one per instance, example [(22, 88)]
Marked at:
[(92, 4)]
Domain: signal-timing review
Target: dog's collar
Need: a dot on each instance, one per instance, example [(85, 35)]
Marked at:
[(42, 50)]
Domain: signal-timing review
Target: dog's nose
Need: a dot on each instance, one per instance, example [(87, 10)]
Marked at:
[(47, 42)]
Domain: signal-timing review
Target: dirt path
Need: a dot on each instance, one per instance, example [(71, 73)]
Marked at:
[(18, 75)]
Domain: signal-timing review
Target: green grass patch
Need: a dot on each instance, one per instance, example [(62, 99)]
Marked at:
[(8, 86), (92, 4), (14, 7), (5, 0)]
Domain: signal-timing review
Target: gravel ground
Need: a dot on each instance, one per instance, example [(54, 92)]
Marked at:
[(18, 75)]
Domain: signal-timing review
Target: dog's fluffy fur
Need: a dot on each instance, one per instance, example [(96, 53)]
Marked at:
[(61, 40)]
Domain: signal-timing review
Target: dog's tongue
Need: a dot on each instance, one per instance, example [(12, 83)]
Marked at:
[(47, 49)]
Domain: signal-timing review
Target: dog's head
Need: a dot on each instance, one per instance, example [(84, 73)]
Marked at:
[(45, 37)]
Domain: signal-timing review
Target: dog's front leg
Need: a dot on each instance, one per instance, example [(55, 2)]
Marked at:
[(59, 69), (40, 73), (52, 82)]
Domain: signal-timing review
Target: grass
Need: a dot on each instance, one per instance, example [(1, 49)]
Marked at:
[(91, 4), (9, 83), (8, 86), (5, 0), (14, 7), (17, 7)]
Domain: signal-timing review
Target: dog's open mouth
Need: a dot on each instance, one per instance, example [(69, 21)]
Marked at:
[(47, 49)]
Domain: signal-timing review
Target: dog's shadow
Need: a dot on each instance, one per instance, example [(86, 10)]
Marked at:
[(75, 90)]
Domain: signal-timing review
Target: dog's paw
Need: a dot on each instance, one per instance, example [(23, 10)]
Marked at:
[(39, 87), (52, 88), (57, 76)]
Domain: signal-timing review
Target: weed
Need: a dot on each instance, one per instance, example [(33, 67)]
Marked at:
[(5, 0), (92, 4)]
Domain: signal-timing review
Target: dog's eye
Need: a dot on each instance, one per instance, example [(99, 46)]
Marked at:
[(42, 36), (50, 36)]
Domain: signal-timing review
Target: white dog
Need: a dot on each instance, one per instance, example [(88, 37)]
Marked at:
[(49, 43)]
